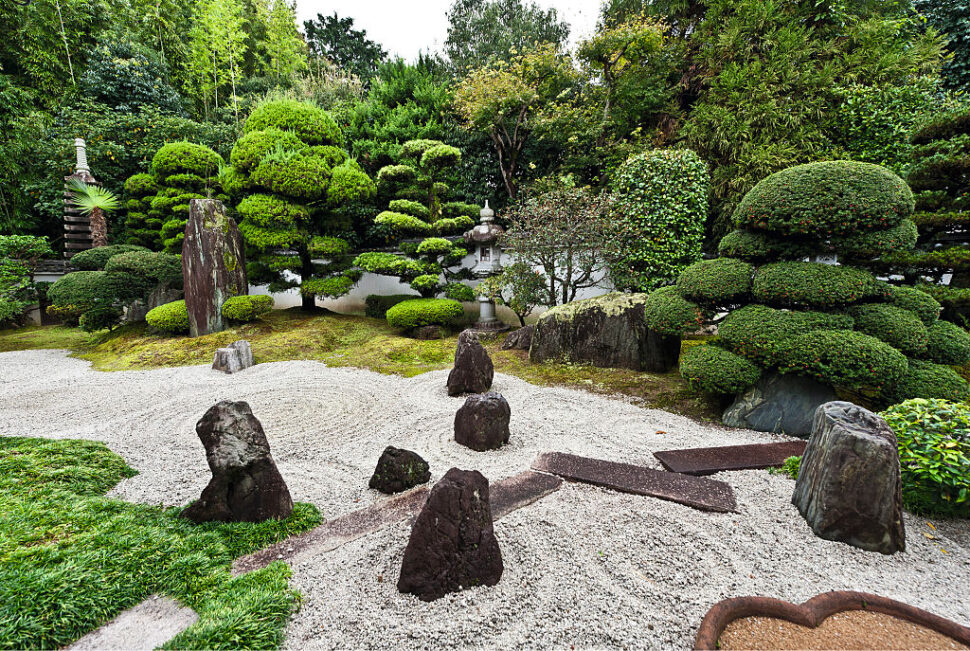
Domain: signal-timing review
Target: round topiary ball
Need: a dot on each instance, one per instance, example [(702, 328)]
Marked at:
[(424, 311), (814, 285), (899, 328), (948, 344), (171, 318), (721, 281), (311, 124), (715, 370), (670, 314), (845, 358), (246, 308), (826, 199)]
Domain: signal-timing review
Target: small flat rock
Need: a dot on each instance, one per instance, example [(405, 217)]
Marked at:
[(696, 492), (146, 626), (707, 461)]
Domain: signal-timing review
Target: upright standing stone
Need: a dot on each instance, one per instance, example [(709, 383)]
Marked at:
[(849, 487), (482, 423), (213, 264), (452, 544), (473, 371), (246, 486)]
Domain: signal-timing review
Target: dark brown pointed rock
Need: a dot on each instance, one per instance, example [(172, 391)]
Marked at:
[(452, 544), (473, 370), (246, 486)]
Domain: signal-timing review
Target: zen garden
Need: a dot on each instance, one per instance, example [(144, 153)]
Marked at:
[(484, 324)]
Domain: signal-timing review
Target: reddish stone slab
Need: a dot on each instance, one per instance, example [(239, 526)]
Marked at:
[(707, 461), (697, 492), (521, 490)]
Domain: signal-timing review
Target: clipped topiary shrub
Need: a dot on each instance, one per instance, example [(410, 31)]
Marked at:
[(948, 344), (715, 370), (310, 124), (330, 287), (419, 312), (658, 217), (171, 318), (718, 282), (185, 158), (376, 306), (403, 224), (95, 259), (459, 292), (86, 290), (918, 302), (250, 149), (153, 268), (870, 245), (832, 198), (934, 455), (759, 247), (292, 174), (756, 331), (246, 308), (408, 207), (671, 315), (842, 358), (814, 285), (899, 328), (928, 380)]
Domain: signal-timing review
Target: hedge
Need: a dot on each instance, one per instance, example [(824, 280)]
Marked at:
[(171, 318), (814, 285), (720, 282), (826, 199), (933, 437), (948, 344), (899, 328), (658, 217), (715, 370), (246, 308), (845, 358), (927, 380), (312, 125), (424, 311), (756, 331), (376, 306), (670, 314), (95, 259), (918, 302)]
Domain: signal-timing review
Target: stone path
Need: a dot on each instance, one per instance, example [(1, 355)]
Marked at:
[(707, 461), (506, 496), (697, 492), (146, 626)]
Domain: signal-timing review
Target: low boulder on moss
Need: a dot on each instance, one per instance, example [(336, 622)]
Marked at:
[(608, 331)]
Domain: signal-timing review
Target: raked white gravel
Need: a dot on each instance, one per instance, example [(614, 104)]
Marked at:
[(584, 567)]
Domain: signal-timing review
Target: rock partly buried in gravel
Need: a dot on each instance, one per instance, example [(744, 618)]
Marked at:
[(482, 423), (233, 358), (452, 544), (246, 486), (473, 371), (779, 403), (521, 339), (398, 470), (607, 331), (849, 487)]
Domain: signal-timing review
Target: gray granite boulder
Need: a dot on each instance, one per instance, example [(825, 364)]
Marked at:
[(482, 423), (520, 339), (473, 371), (849, 486), (246, 486), (213, 264), (452, 544), (779, 403), (398, 470), (233, 358)]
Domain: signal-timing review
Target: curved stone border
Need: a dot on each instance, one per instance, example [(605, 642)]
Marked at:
[(811, 613)]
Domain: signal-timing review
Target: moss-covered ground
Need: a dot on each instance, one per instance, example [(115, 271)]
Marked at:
[(342, 340)]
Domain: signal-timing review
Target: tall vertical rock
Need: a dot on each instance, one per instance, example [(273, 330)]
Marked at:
[(213, 264)]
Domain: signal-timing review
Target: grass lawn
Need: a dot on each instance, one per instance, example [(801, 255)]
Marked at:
[(342, 340), (71, 559)]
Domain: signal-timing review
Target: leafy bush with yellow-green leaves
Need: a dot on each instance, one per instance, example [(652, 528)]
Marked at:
[(243, 309), (170, 318), (423, 312)]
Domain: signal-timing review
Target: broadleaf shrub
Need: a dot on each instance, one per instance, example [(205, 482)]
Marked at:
[(246, 308), (844, 358), (934, 455), (721, 281), (424, 311), (716, 370), (171, 318), (658, 217)]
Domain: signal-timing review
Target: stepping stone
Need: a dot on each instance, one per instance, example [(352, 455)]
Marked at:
[(507, 495), (707, 461), (697, 492), (146, 626)]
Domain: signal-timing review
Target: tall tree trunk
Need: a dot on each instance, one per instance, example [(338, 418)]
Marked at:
[(309, 302), (99, 228)]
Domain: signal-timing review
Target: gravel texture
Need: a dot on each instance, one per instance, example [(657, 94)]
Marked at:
[(584, 567)]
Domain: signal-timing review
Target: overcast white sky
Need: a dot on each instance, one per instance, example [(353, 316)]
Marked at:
[(405, 27)]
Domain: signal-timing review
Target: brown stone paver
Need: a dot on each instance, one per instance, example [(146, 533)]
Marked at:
[(707, 461)]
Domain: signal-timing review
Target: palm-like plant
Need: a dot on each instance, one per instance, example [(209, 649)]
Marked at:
[(94, 201)]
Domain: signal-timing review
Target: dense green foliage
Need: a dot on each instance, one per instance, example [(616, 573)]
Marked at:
[(928, 380), (519, 286), (814, 285), (658, 217), (719, 282), (756, 331), (101, 294), (934, 455), (424, 311), (243, 309), (899, 328), (948, 343), (920, 303), (72, 559), (96, 259), (715, 370), (670, 314), (376, 306), (152, 269), (170, 318), (841, 357)]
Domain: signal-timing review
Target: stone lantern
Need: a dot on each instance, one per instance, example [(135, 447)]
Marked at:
[(488, 262)]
